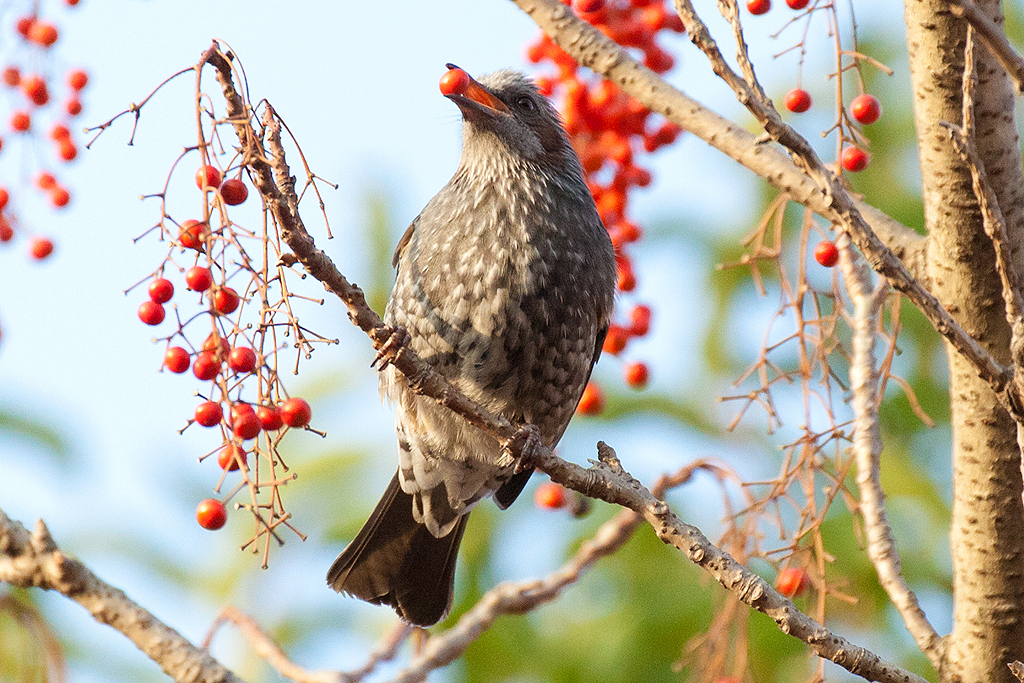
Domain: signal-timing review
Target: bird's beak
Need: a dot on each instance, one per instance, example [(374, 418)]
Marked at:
[(476, 94)]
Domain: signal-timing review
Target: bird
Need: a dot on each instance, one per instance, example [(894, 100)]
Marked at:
[(505, 284)]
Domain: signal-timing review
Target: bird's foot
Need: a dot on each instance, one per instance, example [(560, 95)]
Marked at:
[(397, 338), (524, 447)]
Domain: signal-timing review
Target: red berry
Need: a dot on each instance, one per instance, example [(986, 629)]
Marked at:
[(41, 247), (242, 359), (225, 300), (865, 108), (211, 514), (792, 581), (199, 279), (12, 76), (826, 254), (151, 313), (214, 342), (5, 197), (46, 181), (191, 234), (615, 340), (67, 150), (798, 100), (70, 3), (855, 159), (6, 231), (640, 317), (161, 290), (234, 191), (34, 88), (454, 82), (587, 6), (550, 495), (208, 178), (636, 374), (60, 132), (229, 457), (206, 367), (24, 25), (77, 79), (176, 360), (270, 417), (759, 6), (73, 106), (20, 121), (244, 422), (60, 197), (797, 4), (209, 414), (592, 401), (296, 412), (43, 33)]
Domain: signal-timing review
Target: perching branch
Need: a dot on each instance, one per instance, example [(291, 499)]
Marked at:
[(867, 450), (34, 561)]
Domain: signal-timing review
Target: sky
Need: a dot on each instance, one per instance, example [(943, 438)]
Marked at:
[(357, 85)]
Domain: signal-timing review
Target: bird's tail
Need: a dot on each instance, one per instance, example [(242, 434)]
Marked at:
[(395, 561)]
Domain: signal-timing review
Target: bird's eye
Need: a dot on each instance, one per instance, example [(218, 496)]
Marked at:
[(525, 103)]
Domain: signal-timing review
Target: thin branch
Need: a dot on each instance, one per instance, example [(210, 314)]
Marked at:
[(34, 560), (994, 37), (867, 450)]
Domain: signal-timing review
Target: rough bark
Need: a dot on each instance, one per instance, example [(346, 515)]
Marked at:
[(987, 533)]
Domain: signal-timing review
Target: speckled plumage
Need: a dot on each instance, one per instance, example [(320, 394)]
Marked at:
[(505, 283)]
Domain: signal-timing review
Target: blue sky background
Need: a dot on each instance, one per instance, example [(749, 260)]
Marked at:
[(357, 85)]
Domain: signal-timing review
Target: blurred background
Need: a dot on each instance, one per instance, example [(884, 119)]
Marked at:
[(89, 424)]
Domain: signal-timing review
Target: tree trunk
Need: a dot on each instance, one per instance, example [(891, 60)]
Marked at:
[(987, 534)]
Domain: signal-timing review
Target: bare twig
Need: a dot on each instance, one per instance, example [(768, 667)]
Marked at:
[(34, 560), (867, 449)]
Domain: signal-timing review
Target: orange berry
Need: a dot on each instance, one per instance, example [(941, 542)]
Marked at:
[(77, 79), (792, 581), (12, 76), (43, 33), (68, 151), (592, 401), (826, 254), (208, 178), (550, 495), (45, 181), (640, 317), (60, 197), (615, 340), (454, 82), (73, 106), (5, 197), (40, 248), (636, 374), (20, 121)]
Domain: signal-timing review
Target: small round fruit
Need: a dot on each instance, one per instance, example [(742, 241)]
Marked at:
[(242, 359), (12, 76), (5, 197), (296, 412), (636, 374), (40, 248), (161, 290), (615, 340), (6, 230), (206, 366), (176, 359), (208, 178), (587, 6), (826, 254), (45, 181), (20, 121), (211, 514), (865, 108), (43, 33), (270, 417), (199, 279), (60, 132), (855, 159), (67, 150), (234, 191), (35, 89), (225, 300), (73, 106), (640, 319), (758, 6), (792, 581), (798, 100), (592, 401), (245, 424), (797, 4), (209, 414), (213, 342), (191, 234), (454, 82), (151, 313), (60, 197), (550, 495), (24, 24), (77, 79), (229, 457)]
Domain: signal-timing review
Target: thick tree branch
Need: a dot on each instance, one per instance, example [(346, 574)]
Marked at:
[(867, 450), (34, 560), (994, 37)]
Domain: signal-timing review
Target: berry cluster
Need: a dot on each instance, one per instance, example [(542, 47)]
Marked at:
[(609, 130), (239, 310), (30, 76)]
